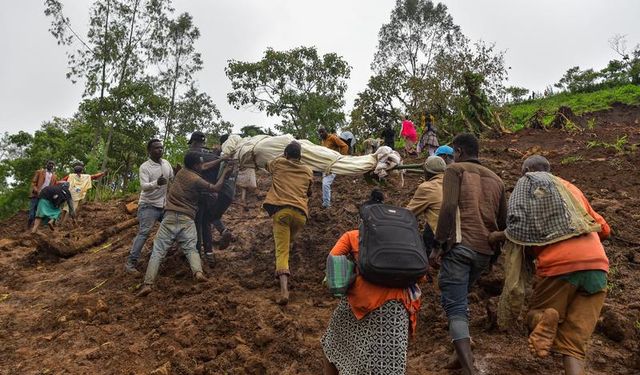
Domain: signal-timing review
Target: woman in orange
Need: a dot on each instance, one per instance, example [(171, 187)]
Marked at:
[(369, 330)]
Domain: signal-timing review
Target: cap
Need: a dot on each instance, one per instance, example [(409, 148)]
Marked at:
[(444, 150), (196, 136), (434, 165)]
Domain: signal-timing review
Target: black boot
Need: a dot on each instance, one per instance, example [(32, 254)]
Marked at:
[(465, 355)]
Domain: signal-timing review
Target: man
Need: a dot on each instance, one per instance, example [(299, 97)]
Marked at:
[(333, 142), (225, 198), (570, 287), (348, 138), (428, 197), (389, 136), (154, 175), (41, 179), (287, 202), (79, 184), (178, 222), (473, 206), (207, 200), (446, 153)]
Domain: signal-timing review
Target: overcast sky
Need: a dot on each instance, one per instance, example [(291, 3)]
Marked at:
[(542, 39)]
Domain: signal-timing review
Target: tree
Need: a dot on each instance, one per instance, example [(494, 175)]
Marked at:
[(178, 61), (196, 111), (417, 32), (305, 89), (516, 93)]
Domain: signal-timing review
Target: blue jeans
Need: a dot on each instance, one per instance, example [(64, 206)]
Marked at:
[(461, 268), (174, 227), (147, 217), (327, 180), (33, 208)]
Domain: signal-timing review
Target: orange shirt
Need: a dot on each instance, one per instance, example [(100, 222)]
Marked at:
[(579, 253), (364, 296), (336, 144)]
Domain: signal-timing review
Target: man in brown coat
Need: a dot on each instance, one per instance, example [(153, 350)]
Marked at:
[(41, 179)]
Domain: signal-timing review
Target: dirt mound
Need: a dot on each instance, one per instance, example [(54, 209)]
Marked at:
[(80, 315)]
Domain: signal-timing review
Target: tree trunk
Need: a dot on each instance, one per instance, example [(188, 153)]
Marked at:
[(103, 80), (169, 121), (123, 73), (66, 248)]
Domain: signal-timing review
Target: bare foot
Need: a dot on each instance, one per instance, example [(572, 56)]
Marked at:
[(282, 300), (146, 289), (542, 337)]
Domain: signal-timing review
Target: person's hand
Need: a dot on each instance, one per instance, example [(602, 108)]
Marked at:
[(435, 258), (227, 172), (496, 237), (162, 181)]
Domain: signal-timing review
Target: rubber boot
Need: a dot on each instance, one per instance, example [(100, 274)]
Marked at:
[(465, 355)]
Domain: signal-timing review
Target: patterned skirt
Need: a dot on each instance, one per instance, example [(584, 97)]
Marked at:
[(376, 344)]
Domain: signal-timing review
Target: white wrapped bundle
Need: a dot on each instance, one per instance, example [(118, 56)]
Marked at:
[(258, 150)]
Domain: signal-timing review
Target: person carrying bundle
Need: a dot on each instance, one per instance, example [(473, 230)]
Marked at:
[(50, 199), (333, 142), (287, 203), (178, 221), (554, 219)]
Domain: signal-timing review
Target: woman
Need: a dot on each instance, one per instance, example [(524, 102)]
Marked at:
[(410, 136), (369, 330), (429, 139), (51, 198)]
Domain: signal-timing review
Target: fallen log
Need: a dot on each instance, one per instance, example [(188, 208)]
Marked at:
[(66, 248)]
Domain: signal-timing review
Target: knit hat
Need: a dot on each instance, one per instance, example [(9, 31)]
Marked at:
[(444, 150), (434, 165)]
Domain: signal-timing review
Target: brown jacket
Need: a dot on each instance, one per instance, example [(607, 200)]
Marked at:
[(427, 199), (336, 144), (290, 182), (473, 205), (38, 180)]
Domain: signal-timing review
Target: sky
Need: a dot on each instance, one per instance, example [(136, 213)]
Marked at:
[(542, 39)]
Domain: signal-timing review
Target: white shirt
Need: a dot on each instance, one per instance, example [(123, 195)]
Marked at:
[(47, 179), (151, 193)]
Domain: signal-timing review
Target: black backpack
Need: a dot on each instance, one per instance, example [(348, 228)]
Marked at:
[(392, 252)]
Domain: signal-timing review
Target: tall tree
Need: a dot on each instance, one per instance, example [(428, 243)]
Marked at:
[(305, 89), (178, 61)]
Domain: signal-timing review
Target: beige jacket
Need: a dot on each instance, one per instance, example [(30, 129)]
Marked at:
[(427, 200)]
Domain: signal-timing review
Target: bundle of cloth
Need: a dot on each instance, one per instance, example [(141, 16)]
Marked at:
[(257, 151), (542, 211)]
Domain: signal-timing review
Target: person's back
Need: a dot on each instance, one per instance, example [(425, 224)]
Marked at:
[(473, 206), (481, 202), (290, 184)]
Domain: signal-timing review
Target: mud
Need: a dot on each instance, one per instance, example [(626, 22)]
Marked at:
[(80, 315)]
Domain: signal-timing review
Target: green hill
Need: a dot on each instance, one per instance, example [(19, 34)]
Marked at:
[(579, 103)]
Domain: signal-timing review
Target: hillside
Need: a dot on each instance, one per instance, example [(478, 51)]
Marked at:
[(580, 103), (80, 315)]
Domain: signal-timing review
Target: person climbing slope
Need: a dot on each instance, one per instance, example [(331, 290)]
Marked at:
[(333, 142), (287, 203)]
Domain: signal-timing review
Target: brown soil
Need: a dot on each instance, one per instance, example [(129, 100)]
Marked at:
[(80, 315)]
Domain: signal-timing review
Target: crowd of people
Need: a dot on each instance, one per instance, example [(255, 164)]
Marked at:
[(467, 219)]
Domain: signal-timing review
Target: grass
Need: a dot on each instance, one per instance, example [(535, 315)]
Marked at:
[(579, 103), (571, 159)]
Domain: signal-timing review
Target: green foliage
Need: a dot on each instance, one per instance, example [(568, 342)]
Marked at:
[(305, 89), (516, 94), (420, 65), (579, 103)]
